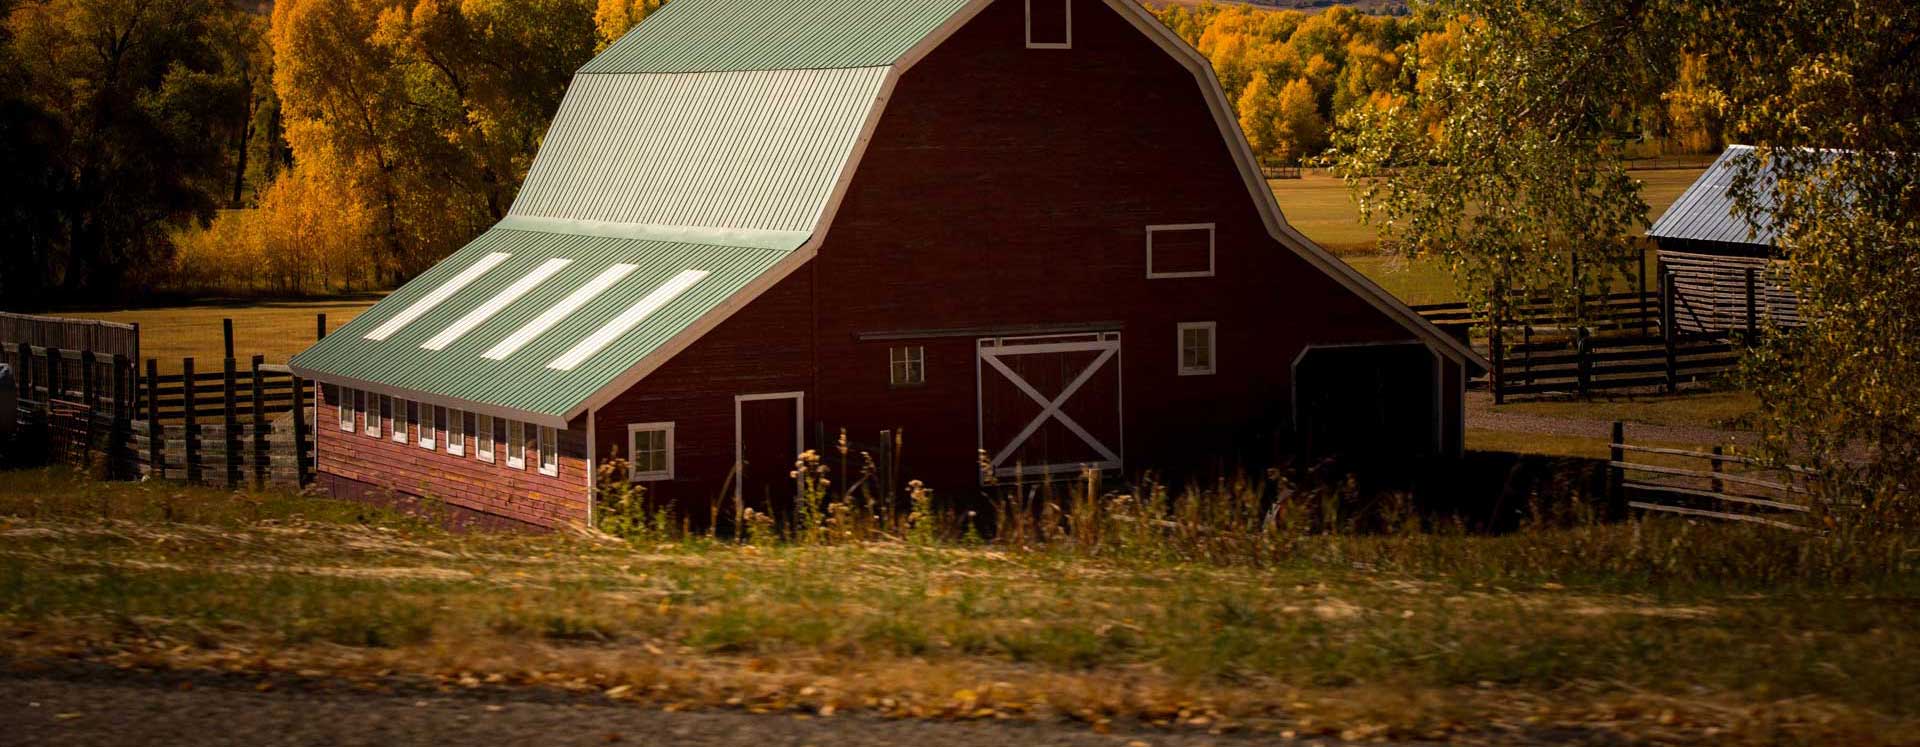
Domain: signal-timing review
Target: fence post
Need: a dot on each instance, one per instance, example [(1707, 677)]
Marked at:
[(320, 327), (1583, 349), (1668, 321), (1718, 451), (1753, 309), (156, 452), (120, 425), (1526, 344), (300, 430), (88, 395), (1617, 455), (190, 436), (232, 416), (23, 354), (259, 423), (54, 383), (1640, 286), (226, 327), (1499, 381)]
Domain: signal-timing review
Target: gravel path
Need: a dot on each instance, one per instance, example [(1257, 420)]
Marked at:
[(1481, 415), (107, 708)]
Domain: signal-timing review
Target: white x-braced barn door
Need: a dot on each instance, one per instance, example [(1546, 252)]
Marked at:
[(1052, 404)]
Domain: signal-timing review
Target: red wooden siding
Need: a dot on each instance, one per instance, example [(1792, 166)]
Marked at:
[(464, 481)]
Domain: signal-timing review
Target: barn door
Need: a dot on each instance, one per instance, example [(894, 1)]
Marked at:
[(1050, 405), (767, 440)]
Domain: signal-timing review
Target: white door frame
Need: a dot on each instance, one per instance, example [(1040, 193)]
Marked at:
[(739, 434), (989, 352)]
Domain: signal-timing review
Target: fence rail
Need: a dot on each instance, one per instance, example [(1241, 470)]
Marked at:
[(1715, 485)]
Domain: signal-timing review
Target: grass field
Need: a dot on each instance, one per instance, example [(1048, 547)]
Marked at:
[(1651, 632), (275, 329)]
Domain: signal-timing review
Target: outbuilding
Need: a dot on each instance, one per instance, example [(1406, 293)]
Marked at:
[(1029, 229), (1727, 277)]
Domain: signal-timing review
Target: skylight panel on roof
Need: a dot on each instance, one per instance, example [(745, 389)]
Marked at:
[(627, 320), (485, 311), (560, 311), (438, 296)]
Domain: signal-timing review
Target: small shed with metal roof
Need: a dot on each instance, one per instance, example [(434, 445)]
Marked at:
[(946, 228), (1725, 272)]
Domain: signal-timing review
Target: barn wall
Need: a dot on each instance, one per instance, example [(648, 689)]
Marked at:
[(360, 462), (1008, 186), (765, 348)]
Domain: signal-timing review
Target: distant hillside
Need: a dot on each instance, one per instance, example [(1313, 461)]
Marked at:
[(1379, 7)]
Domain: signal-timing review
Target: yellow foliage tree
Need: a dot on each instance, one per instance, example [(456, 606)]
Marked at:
[(615, 17), (1301, 131), (1259, 114)]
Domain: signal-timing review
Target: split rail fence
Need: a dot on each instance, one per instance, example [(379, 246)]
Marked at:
[(1708, 484), (242, 422)]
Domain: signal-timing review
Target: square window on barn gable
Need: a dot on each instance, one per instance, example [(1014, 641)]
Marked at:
[(1180, 251), (1197, 348), (1049, 24), (907, 366), (651, 445)]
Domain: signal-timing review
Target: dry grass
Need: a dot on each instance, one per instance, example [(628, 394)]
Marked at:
[(1574, 631), (275, 329)]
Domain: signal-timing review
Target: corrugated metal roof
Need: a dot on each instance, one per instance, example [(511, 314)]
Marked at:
[(1707, 211), (691, 36), (757, 150), (528, 380)]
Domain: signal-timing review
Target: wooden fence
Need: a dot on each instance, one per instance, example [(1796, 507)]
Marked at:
[(102, 338), (1708, 484)]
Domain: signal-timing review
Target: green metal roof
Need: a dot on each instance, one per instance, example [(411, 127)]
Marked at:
[(757, 150), (526, 380), (691, 36)]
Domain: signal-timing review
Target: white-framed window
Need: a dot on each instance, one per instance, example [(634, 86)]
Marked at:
[(1183, 250), (483, 438), (375, 403), (1049, 24), (651, 445), (456, 433), (549, 447), (907, 366), (429, 425), (349, 402), (403, 418), (516, 444), (1197, 348)]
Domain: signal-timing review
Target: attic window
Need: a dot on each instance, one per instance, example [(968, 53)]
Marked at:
[(1049, 24), (1180, 251)]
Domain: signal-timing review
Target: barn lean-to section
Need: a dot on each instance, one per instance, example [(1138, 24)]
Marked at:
[(975, 226)]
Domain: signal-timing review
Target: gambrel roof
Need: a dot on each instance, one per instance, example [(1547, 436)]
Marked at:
[(692, 165)]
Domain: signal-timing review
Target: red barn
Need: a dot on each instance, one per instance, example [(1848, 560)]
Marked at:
[(1029, 228)]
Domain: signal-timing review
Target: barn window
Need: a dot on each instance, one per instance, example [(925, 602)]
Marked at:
[(402, 420), (651, 445), (483, 438), (516, 444), (429, 425), (907, 366), (1180, 251), (1049, 24), (375, 403), (548, 444), (1196, 349), (346, 406), (456, 433)]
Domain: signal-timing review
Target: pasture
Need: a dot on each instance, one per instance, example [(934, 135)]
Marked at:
[(1651, 631)]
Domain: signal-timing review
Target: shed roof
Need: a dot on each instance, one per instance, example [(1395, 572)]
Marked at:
[(1707, 211)]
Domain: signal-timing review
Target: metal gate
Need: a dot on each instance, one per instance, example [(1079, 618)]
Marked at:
[(1050, 404)]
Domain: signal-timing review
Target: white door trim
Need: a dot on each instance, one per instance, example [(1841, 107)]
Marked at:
[(991, 350), (739, 434)]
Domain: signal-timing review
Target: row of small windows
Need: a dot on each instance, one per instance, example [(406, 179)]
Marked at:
[(435, 428)]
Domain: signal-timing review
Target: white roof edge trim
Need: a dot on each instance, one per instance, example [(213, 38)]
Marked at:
[(478, 408), (1275, 219), (627, 320), (744, 238), (438, 296), (494, 305), (540, 324)]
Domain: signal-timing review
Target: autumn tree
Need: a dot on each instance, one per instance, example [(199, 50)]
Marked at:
[(613, 18)]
